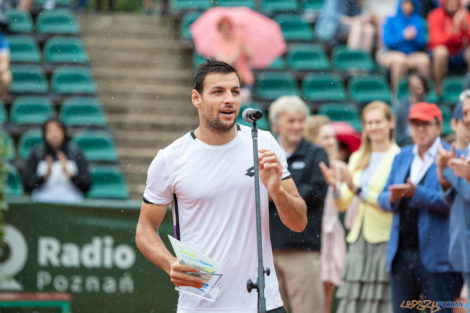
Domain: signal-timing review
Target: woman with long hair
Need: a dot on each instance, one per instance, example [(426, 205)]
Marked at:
[(365, 286), (319, 130)]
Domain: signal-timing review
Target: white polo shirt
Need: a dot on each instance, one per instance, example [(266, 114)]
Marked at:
[(215, 213)]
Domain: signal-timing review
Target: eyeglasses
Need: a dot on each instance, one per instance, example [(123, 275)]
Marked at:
[(416, 124)]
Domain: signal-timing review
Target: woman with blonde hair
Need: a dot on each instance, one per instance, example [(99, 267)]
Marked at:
[(366, 286), (319, 130)]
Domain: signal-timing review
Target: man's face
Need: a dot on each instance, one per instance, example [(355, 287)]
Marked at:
[(407, 8), (424, 133), (290, 127), (451, 6), (220, 101), (462, 127)]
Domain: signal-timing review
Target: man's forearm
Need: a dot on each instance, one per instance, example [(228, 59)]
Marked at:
[(152, 247), (291, 208)]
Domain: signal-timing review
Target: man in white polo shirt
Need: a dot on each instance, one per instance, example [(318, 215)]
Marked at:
[(208, 176)]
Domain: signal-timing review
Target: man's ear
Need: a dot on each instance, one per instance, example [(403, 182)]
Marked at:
[(196, 98)]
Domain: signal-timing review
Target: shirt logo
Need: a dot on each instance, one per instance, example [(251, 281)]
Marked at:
[(298, 165), (250, 172)]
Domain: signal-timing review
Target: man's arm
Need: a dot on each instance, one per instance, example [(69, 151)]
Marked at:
[(152, 247), (290, 205)]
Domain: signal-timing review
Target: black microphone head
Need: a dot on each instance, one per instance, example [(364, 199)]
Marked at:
[(250, 115)]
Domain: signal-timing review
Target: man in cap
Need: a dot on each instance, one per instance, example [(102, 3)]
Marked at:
[(420, 227)]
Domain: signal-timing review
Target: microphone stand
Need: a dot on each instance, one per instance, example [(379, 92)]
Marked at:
[(259, 285)]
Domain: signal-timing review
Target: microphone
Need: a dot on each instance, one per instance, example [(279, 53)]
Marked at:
[(251, 115)]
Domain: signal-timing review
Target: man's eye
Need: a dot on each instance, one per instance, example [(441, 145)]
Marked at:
[(236, 92)]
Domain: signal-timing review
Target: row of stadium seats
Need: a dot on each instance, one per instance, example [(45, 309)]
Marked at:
[(60, 21), (107, 182), (25, 49), (97, 146), (65, 80), (266, 6), (318, 87), (313, 57), (293, 27), (76, 111)]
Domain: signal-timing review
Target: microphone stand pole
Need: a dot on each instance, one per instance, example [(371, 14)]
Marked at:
[(260, 284)]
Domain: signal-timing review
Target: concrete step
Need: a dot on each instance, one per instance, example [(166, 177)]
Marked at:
[(131, 104), (112, 43), (111, 72), (162, 95), (158, 139), (156, 90), (152, 122)]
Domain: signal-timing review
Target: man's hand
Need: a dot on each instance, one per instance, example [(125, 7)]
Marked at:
[(460, 167), (270, 170), (410, 33), (329, 174), (400, 191), (179, 275), (460, 20), (443, 158)]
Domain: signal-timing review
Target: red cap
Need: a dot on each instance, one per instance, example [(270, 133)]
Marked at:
[(425, 112)]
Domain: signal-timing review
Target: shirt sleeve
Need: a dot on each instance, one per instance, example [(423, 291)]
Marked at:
[(159, 189)]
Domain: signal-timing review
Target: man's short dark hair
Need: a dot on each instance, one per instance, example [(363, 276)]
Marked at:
[(211, 66)]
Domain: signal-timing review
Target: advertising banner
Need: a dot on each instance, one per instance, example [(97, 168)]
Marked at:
[(85, 250)]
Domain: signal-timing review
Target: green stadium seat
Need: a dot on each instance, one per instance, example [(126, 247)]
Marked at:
[(369, 88), (313, 4), (28, 79), (29, 140), (278, 64), (20, 22), (96, 145), (323, 87), (345, 59), (82, 112), (73, 80), (193, 5), (262, 123), (198, 59), (452, 87), (294, 29), (342, 112), (24, 49), (7, 148), (307, 57), (236, 3), (402, 91), (13, 186), (107, 182), (3, 113), (60, 21), (65, 50), (58, 3), (272, 85), (31, 110), (272, 6), (186, 22), (446, 117)]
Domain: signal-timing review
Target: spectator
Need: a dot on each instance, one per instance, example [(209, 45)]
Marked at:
[(5, 74), (56, 171), (404, 37), (448, 30), (297, 255), (335, 19), (461, 126), (235, 51), (454, 173), (365, 27), (420, 228), (417, 89), (319, 130), (365, 286)]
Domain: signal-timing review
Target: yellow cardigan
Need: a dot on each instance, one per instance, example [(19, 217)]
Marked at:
[(374, 222)]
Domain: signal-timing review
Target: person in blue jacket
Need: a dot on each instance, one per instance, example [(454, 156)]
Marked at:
[(419, 238), (404, 40), (451, 175)]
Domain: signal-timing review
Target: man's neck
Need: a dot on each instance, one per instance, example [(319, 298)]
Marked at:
[(422, 149), (461, 145), (288, 146), (214, 138)]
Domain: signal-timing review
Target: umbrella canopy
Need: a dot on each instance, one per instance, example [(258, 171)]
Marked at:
[(262, 34)]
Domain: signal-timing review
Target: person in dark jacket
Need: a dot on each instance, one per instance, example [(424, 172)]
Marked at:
[(297, 255), (56, 171)]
